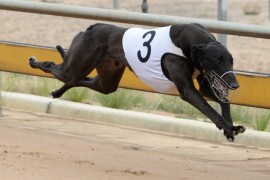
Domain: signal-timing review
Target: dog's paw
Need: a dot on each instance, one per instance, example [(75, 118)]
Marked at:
[(238, 129), (54, 94), (229, 133), (32, 59), (229, 136), (233, 132)]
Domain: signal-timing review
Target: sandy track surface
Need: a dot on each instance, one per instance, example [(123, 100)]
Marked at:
[(42, 146)]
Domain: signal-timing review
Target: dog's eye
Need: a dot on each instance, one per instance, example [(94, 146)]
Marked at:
[(220, 59)]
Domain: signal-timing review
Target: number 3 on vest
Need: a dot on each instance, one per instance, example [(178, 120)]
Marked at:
[(146, 44)]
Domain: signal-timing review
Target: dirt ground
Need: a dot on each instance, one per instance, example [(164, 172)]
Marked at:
[(42, 146)]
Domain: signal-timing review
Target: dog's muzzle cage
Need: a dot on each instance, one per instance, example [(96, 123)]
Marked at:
[(219, 87)]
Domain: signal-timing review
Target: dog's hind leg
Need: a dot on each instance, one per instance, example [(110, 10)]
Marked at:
[(48, 67), (107, 80), (59, 92)]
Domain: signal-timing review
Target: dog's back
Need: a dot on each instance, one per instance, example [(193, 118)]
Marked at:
[(187, 35)]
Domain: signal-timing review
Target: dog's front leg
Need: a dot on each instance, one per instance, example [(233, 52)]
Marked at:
[(191, 95), (225, 110), (180, 73), (206, 91)]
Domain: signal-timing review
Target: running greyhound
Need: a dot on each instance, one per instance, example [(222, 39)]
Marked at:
[(166, 59)]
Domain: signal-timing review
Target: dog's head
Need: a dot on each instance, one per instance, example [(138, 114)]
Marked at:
[(216, 64)]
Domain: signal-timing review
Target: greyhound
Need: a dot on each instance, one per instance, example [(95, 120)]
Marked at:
[(166, 58)]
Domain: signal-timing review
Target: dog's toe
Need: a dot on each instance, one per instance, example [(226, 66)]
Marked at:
[(31, 59), (242, 129), (239, 129), (229, 137), (229, 134)]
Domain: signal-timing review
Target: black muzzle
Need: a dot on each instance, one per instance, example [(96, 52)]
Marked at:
[(222, 90)]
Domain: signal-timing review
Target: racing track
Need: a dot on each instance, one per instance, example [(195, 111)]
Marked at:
[(43, 146)]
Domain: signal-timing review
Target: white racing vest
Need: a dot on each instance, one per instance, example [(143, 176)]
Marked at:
[(144, 50)]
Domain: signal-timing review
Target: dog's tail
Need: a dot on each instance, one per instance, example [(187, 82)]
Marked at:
[(61, 51)]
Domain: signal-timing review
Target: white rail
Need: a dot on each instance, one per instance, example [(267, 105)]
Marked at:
[(133, 17)]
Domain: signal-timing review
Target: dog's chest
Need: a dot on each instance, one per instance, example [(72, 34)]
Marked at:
[(144, 50)]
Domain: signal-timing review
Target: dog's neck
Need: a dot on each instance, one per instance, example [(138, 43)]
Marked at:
[(188, 35)]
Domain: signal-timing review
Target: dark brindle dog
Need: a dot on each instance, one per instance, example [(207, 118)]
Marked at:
[(167, 59)]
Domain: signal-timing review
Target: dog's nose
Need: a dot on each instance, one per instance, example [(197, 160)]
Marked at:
[(234, 85)]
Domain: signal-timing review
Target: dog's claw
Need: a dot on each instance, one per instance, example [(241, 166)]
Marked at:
[(229, 136), (230, 139)]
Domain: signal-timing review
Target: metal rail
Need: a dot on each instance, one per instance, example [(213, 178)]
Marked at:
[(252, 94), (231, 28)]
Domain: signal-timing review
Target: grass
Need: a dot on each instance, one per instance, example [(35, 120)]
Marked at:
[(261, 122), (79, 94), (28, 84), (255, 118), (121, 99), (175, 105)]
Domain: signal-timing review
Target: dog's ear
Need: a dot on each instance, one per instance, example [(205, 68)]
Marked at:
[(197, 51)]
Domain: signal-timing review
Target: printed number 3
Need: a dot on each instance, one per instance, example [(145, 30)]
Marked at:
[(147, 44)]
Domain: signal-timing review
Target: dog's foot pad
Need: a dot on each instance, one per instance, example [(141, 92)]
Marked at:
[(239, 129)]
